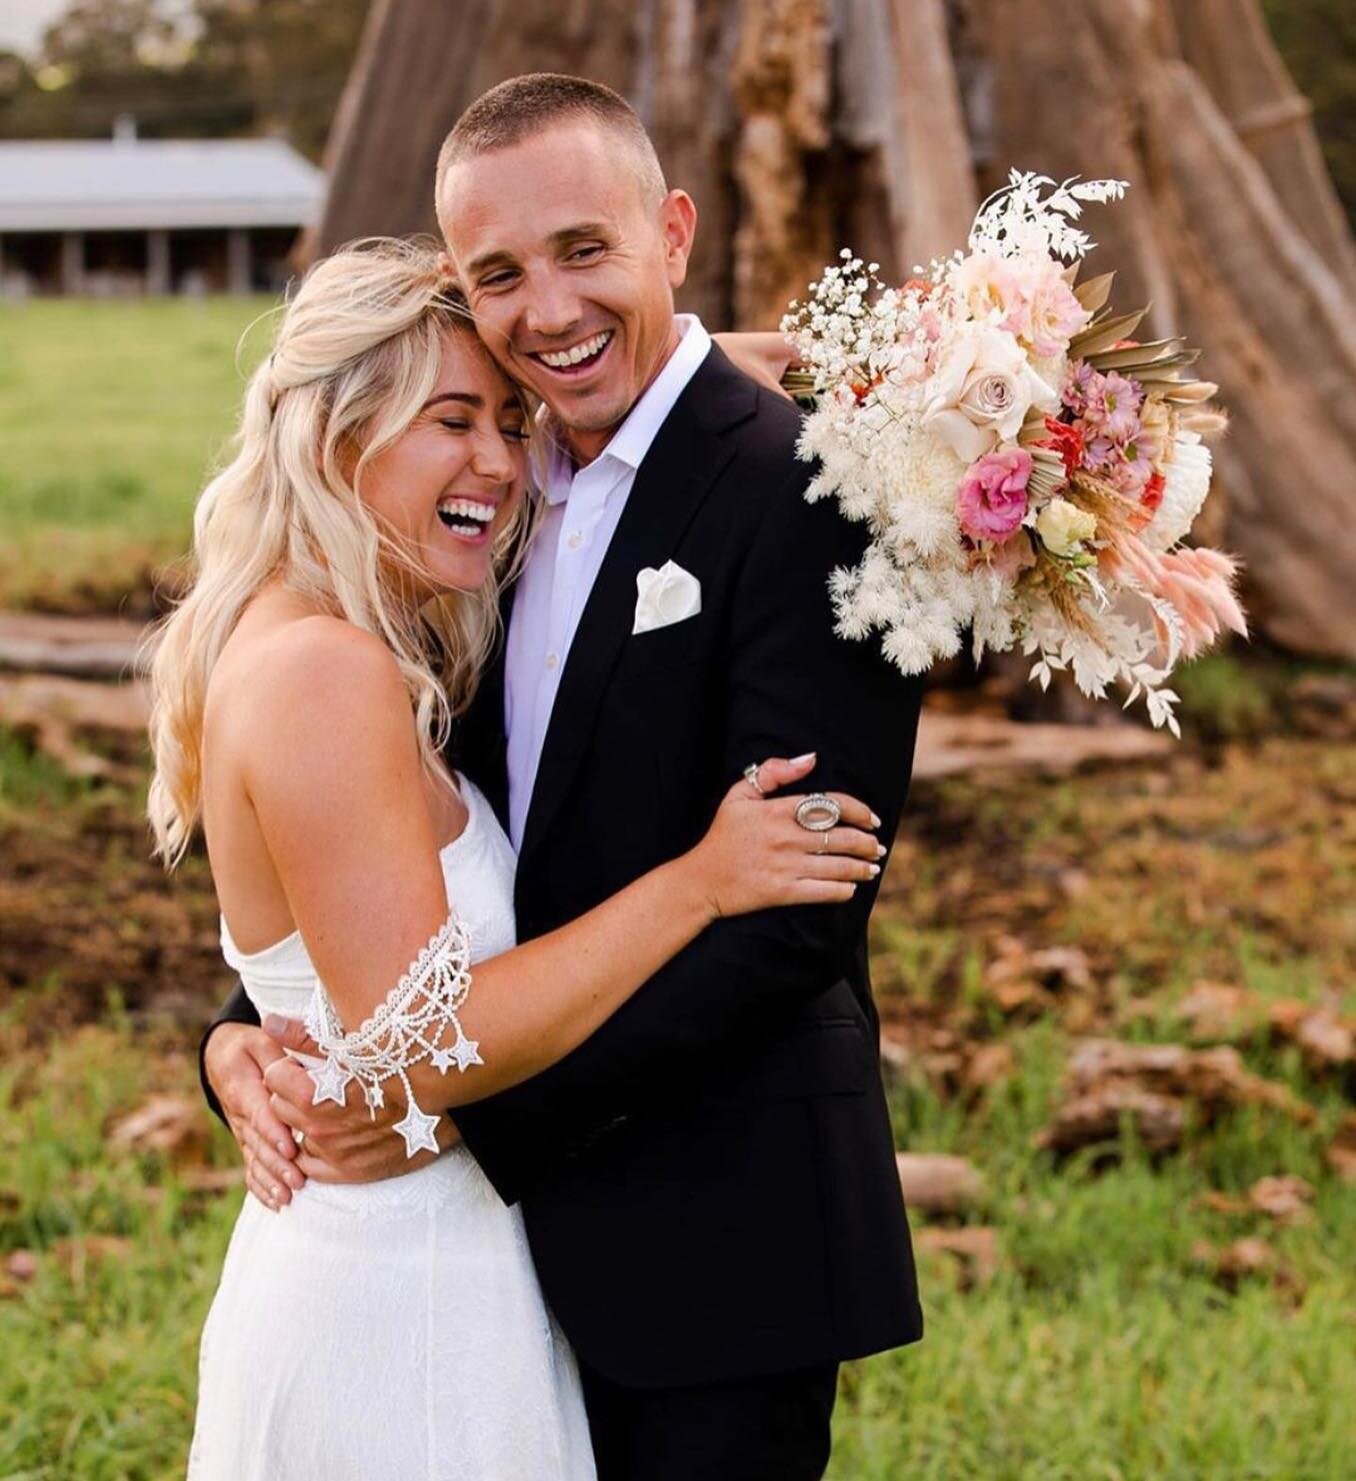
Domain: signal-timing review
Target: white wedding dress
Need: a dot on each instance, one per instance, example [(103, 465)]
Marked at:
[(393, 1329)]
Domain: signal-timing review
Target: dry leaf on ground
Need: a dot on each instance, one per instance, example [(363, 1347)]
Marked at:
[(934, 1183), (21, 1265), (1106, 1079), (1285, 1199), (1341, 1151), (1245, 1258), (975, 1248), (171, 1124)]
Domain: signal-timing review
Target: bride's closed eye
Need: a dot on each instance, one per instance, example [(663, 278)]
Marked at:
[(459, 424)]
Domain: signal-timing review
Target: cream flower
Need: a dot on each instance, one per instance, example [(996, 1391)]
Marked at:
[(1063, 526), (981, 393)]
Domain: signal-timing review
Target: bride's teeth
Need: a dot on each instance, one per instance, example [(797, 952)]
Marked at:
[(469, 508), (563, 359)]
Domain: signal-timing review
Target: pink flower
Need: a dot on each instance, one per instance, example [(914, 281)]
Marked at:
[(1077, 385), (1113, 404), (991, 500), (1046, 314)]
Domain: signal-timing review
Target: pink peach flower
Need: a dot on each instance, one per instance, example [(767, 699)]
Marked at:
[(991, 500)]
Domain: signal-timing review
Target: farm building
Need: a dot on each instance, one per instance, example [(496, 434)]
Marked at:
[(126, 216)]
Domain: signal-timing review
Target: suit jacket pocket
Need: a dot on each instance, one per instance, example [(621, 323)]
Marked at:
[(674, 646)]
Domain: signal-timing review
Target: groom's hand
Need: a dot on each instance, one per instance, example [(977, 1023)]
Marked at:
[(236, 1057), (340, 1144)]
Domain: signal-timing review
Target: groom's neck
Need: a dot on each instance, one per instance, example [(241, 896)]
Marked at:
[(585, 444)]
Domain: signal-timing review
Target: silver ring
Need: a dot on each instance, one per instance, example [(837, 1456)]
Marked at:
[(299, 1137), (818, 813), (751, 776)]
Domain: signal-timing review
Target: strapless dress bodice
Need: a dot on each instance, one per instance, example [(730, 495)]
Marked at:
[(478, 868)]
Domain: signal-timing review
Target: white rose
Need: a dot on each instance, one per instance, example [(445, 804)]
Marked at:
[(981, 393), (1063, 526)]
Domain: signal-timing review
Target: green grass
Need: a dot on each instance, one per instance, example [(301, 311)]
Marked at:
[(1101, 1350), (110, 414)]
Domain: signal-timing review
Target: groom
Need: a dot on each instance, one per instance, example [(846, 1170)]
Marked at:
[(708, 1183)]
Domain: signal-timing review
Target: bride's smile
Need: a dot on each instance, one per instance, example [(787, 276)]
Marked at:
[(449, 485)]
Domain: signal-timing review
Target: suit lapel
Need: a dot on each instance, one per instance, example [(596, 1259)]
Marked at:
[(682, 464), (480, 746)]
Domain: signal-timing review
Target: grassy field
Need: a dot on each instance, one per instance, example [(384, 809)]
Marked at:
[(1102, 1347), (110, 413)]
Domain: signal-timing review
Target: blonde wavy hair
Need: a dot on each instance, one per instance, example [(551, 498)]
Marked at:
[(357, 352)]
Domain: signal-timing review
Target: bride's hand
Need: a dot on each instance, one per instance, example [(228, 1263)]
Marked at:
[(756, 855), (763, 355)]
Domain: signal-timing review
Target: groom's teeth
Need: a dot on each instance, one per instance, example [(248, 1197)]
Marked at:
[(563, 359)]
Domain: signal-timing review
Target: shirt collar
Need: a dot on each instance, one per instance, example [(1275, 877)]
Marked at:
[(632, 440)]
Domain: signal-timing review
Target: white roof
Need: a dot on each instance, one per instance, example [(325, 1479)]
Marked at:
[(140, 184)]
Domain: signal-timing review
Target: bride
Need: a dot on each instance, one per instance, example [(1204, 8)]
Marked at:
[(345, 601)]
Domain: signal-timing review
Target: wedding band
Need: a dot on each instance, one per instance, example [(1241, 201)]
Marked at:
[(818, 813), (823, 844), (751, 777)]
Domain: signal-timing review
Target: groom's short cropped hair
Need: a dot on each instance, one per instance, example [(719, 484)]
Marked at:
[(524, 106)]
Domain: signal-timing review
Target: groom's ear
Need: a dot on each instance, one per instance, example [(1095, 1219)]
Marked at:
[(678, 226)]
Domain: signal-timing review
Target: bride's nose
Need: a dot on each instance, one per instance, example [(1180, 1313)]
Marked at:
[(492, 458)]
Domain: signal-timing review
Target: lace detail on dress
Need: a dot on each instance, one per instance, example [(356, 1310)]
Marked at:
[(404, 1030)]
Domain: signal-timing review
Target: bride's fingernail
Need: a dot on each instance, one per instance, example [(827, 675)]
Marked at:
[(808, 756), (881, 851), (875, 821)]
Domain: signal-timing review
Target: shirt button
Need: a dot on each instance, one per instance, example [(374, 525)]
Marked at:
[(552, 659), (575, 541)]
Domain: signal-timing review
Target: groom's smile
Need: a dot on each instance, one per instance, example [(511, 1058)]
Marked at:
[(569, 258)]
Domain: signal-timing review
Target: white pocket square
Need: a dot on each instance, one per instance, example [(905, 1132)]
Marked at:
[(665, 596)]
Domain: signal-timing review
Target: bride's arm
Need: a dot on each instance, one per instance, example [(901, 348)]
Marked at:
[(763, 355), (336, 784)]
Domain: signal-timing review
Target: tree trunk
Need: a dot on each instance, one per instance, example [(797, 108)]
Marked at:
[(800, 126)]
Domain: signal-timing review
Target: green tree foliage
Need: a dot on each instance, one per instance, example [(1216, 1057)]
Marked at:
[(1317, 38), (205, 69)]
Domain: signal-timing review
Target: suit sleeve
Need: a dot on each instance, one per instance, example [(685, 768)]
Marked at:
[(236, 1009), (794, 686)]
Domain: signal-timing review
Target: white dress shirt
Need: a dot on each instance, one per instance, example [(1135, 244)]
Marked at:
[(583, 508)]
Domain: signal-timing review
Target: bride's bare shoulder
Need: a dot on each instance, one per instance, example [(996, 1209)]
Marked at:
[(308, 681)]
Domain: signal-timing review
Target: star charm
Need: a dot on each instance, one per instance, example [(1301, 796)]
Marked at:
[(442, 1060), (331, 1082), (417, 1129), (376, 1097), (466, 1052)]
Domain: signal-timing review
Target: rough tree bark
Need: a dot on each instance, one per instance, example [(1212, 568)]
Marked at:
[(803, 125)]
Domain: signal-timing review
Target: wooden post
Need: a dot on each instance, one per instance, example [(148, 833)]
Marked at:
[(72, 262), (239, 277), (158, 262)]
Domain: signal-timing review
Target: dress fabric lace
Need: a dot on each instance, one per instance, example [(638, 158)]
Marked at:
[(389, 1331)]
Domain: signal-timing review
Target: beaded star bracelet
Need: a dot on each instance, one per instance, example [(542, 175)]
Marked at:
[(410, 1026)]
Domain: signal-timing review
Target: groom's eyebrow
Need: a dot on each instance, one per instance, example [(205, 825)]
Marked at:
[(500, 258)]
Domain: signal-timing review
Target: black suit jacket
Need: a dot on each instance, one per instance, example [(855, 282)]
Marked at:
[(708, 1182)]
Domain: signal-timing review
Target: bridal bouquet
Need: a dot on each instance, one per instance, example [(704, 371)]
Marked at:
[(1027, 468)]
